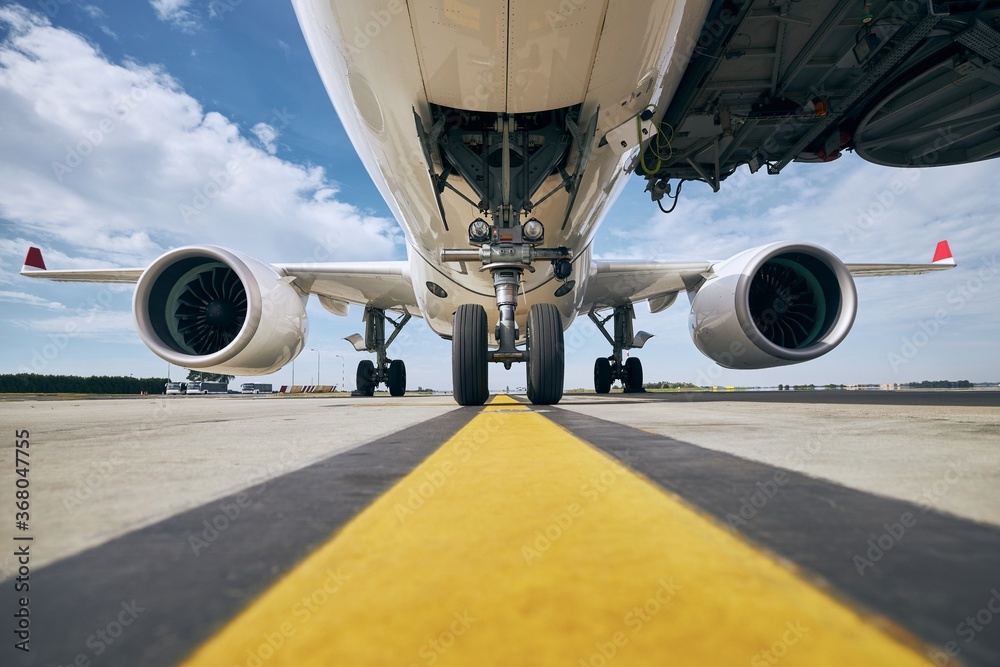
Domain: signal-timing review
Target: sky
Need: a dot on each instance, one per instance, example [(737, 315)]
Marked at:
[(118, 120)]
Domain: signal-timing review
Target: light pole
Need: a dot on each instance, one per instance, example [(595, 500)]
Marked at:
[(317, 364), (293, 376), (342, 373)]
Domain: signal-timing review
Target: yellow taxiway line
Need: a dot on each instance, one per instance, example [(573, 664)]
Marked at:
[(504, 403), (516, 543)]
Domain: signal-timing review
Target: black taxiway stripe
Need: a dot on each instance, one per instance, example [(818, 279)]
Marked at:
[(929, 578), (965, 399), (168, 598)]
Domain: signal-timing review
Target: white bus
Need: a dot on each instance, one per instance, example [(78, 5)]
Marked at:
[(207, 388)]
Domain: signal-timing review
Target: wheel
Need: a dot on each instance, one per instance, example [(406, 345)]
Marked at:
[(397, 377), (602, 375), (546, 354), (366, 378), (469, 364), (633, 376)]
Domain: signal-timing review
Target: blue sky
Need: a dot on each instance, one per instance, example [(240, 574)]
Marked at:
[(118, 118)]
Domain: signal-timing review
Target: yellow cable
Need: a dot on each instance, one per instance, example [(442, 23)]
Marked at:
[(655, 148)]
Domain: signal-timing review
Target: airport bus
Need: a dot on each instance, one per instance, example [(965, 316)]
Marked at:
[(256, 388), (207, 388)]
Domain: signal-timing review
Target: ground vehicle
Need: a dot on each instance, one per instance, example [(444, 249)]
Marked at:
[(256, 388), (176, 388), (207, 388)]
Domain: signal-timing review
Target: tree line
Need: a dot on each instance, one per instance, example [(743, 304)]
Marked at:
[(941, 384), (33, 383)]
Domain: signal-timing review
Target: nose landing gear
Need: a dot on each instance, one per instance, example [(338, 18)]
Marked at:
[(544, 350)]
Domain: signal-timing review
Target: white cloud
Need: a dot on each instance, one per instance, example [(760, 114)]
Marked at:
[(30, 299), (175, 12), (116, 162), (267, 136)]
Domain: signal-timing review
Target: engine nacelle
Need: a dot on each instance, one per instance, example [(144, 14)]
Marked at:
[(779, 304), (220, 311)]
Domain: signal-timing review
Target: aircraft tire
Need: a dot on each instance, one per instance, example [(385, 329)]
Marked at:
[(633, 376), (397, 377), (469, 363), (546, 354), (366, 377), (602, 375)]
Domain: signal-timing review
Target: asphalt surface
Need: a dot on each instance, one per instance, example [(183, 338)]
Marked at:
[(157, 521)]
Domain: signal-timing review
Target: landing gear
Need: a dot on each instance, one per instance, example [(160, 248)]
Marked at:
[(506, 159), (390, 371), (469, 355), (609, 369), (546, 354)]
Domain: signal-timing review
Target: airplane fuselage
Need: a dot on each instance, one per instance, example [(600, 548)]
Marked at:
[(389, 65)]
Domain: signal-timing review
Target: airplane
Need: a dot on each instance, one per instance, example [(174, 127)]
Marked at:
[(500, 132)]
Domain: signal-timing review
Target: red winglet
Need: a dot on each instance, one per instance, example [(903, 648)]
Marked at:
[(942, 253), (34, 259)]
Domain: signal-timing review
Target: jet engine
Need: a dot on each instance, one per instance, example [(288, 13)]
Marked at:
[(779, 304), (212, 309)]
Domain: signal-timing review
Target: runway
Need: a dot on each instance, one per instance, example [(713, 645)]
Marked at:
[(630, 530)]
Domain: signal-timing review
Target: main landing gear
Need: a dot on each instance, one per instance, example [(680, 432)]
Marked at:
[(390, 371), (609, 369)]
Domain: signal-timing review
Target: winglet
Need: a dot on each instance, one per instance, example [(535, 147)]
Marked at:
[(34, 260), (942, 254)]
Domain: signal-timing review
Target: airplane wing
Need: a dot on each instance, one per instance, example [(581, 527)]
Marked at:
[(34, 267), (942, 260), (337, 284), (379, 284), (809, 81), (615, 283)]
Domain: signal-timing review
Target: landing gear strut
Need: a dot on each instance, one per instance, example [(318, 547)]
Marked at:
[(390, 371), (609, 369)]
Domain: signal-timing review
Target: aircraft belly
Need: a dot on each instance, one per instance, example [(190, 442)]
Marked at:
[(515, 56)]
